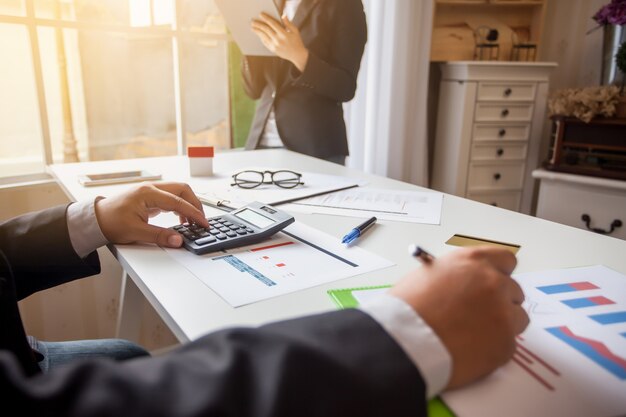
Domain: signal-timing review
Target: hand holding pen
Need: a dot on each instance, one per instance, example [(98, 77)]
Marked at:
[(471, 302)]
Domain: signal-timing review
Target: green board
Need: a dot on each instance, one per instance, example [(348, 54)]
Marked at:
[(242, 107)]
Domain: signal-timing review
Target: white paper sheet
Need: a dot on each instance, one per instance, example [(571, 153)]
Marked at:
[(549, 376), (301, 258), (407, 206), (314, 183)]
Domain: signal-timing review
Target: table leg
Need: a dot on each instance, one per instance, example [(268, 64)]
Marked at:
[(129, 316)]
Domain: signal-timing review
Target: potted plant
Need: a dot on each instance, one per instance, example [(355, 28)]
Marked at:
[(620, 62)]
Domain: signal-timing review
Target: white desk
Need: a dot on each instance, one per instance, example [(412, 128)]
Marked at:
[(192, 309)]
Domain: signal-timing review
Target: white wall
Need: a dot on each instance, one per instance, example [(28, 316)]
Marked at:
[(566, 42)]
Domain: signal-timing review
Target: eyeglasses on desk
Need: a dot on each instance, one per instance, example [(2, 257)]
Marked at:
[(281, 178)]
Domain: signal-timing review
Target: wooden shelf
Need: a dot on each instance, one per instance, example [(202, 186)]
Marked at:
[(454, 22)]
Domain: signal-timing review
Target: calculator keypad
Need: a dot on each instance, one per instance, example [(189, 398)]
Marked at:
[(219, 229)]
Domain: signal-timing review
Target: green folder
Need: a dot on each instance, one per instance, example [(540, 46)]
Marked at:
[(344, 298)]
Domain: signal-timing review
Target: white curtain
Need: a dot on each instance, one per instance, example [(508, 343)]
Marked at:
[(386, 121)]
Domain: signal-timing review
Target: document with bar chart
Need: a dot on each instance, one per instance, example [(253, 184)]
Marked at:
[(299, 257), (570, 361)]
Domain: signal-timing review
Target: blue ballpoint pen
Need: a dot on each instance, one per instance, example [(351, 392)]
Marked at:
[(358, 231)]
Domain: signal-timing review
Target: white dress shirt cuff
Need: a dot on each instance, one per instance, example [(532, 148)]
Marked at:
[(82, 224), (416, 338)]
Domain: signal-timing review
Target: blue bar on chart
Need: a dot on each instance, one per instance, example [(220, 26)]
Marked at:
[(587, 302), (610, 318), (567, 287), (244, 267)]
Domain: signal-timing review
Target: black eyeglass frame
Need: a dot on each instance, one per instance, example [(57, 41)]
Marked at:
[(290, 183)]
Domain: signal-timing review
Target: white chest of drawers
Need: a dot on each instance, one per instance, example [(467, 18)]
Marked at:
[(489, 126), (583, 201)]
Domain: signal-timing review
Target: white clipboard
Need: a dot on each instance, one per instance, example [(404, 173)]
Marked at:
[(238, 15)]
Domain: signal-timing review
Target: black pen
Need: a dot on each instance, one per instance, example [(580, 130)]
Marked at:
[(421, 254), (358, 231)]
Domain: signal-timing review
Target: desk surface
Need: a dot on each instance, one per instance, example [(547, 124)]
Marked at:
[(191, 309)]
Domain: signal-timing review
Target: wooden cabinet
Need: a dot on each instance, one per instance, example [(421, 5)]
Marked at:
[(489, 127), (596, 148), (591, 203), (517, 22)]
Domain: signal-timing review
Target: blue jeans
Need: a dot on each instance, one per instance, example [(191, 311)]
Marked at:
[(56, 354)]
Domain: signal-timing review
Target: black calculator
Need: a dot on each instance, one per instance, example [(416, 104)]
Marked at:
[(249, 224)]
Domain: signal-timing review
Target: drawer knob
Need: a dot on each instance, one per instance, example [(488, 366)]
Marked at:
[(507, 92), (505, 112), (614, 225), (500, 152), (502, 132), (497, 176)]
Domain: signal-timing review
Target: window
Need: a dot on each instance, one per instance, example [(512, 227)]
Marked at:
[(94, 80)]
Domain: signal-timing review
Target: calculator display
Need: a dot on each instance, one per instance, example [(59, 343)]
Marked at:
[(254, 218)]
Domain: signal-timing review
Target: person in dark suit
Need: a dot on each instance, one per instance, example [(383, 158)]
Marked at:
[(318, 46), (444, 325), (45, 249)]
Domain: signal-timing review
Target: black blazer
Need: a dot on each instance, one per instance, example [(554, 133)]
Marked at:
[(308, 105), (35, 254), (336, 364)]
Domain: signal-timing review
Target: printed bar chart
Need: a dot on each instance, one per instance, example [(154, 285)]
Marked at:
[(592, 349), (568, 287)]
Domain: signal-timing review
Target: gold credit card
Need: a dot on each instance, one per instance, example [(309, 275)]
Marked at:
[(463, 240)]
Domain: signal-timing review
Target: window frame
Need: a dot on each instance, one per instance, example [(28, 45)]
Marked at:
[(174, 32)]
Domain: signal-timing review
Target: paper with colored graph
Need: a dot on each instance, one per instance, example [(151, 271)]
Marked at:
[(571, 361), (300, 257)]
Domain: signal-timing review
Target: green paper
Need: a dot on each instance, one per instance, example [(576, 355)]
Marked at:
[(343, 298)]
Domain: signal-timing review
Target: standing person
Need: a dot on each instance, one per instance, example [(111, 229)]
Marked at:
[(318, 45)]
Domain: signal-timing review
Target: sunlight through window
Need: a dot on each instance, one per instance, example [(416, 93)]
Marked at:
[(151, 12)]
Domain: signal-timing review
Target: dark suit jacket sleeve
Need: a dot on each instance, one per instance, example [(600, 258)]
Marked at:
[(337, 77), (337, 364), (38, 248)]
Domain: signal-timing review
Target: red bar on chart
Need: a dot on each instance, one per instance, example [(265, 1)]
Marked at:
[(567, 287), (277, 245)]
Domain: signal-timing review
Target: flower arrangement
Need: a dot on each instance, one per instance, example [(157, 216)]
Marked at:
[(585, 103), (613, 13)]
